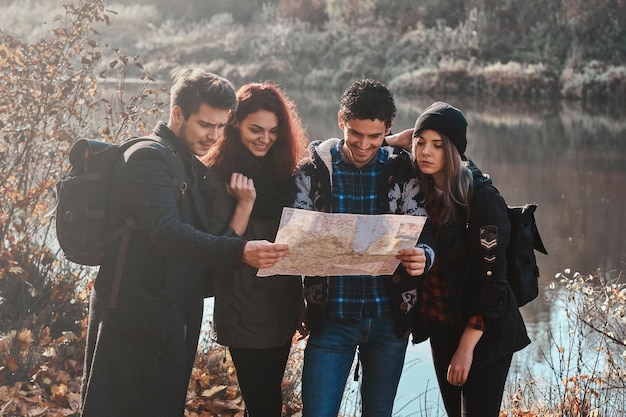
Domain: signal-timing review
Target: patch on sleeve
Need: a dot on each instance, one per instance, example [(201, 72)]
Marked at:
[(489, 237)]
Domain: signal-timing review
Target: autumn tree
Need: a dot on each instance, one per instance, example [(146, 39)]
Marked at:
[(49, 97)]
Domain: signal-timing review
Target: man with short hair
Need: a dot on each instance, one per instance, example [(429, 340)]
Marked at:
[(144, 328), (375, 314)]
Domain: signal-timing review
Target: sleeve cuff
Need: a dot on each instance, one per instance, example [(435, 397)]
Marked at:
[(476, 322), (430, 256), (238, 255)]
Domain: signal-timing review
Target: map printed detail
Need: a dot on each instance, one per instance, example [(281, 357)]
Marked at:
[(332, 244)]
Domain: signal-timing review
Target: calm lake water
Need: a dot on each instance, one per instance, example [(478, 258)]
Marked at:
[(570, 159)]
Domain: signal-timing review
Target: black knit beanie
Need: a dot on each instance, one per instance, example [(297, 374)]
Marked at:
[(445, 119)]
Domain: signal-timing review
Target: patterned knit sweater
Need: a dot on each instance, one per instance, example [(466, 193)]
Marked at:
[(399, 192)]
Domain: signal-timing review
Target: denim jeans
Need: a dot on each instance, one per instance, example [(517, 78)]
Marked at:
[(328, 358)]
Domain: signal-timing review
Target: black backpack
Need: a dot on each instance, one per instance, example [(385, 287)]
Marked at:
[(82, 227), (522, 271)]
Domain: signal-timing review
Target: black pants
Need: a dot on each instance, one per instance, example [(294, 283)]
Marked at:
[(260, 374), (481, 395)]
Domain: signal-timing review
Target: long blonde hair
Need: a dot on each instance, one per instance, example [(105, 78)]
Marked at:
[(453, 200)]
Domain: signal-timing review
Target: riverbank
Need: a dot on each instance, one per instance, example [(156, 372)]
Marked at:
[(582, 373)]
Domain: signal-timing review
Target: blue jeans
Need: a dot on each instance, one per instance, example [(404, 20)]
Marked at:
[(328, 359)]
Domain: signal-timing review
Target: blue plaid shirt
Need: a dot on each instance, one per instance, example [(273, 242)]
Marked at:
[(354, 191)]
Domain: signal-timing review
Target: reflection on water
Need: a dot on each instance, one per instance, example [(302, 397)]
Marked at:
[(568, 158)]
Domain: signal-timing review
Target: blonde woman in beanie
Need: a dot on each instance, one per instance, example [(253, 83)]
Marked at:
[(469, 310)]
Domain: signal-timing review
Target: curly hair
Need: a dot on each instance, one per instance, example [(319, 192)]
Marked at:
[(291, 138), (368, 99)]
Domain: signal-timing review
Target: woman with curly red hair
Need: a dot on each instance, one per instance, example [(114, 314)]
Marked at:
[(257, 317)]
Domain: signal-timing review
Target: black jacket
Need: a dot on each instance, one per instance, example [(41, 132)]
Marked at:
[(471, 257), (140, 353)]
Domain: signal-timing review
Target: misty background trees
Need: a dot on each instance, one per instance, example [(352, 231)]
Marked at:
[(537, 48)]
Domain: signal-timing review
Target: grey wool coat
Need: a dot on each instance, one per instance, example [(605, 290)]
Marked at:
[(140, 351)]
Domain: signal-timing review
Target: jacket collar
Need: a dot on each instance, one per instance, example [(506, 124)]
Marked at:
[(164, 132)]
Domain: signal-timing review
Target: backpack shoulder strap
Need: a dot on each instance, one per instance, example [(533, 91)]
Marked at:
[(178, 182)]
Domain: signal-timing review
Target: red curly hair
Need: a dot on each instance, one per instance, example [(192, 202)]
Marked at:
[(291, 139)]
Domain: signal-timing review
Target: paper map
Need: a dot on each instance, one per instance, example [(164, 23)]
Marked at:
[(332, 244)]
